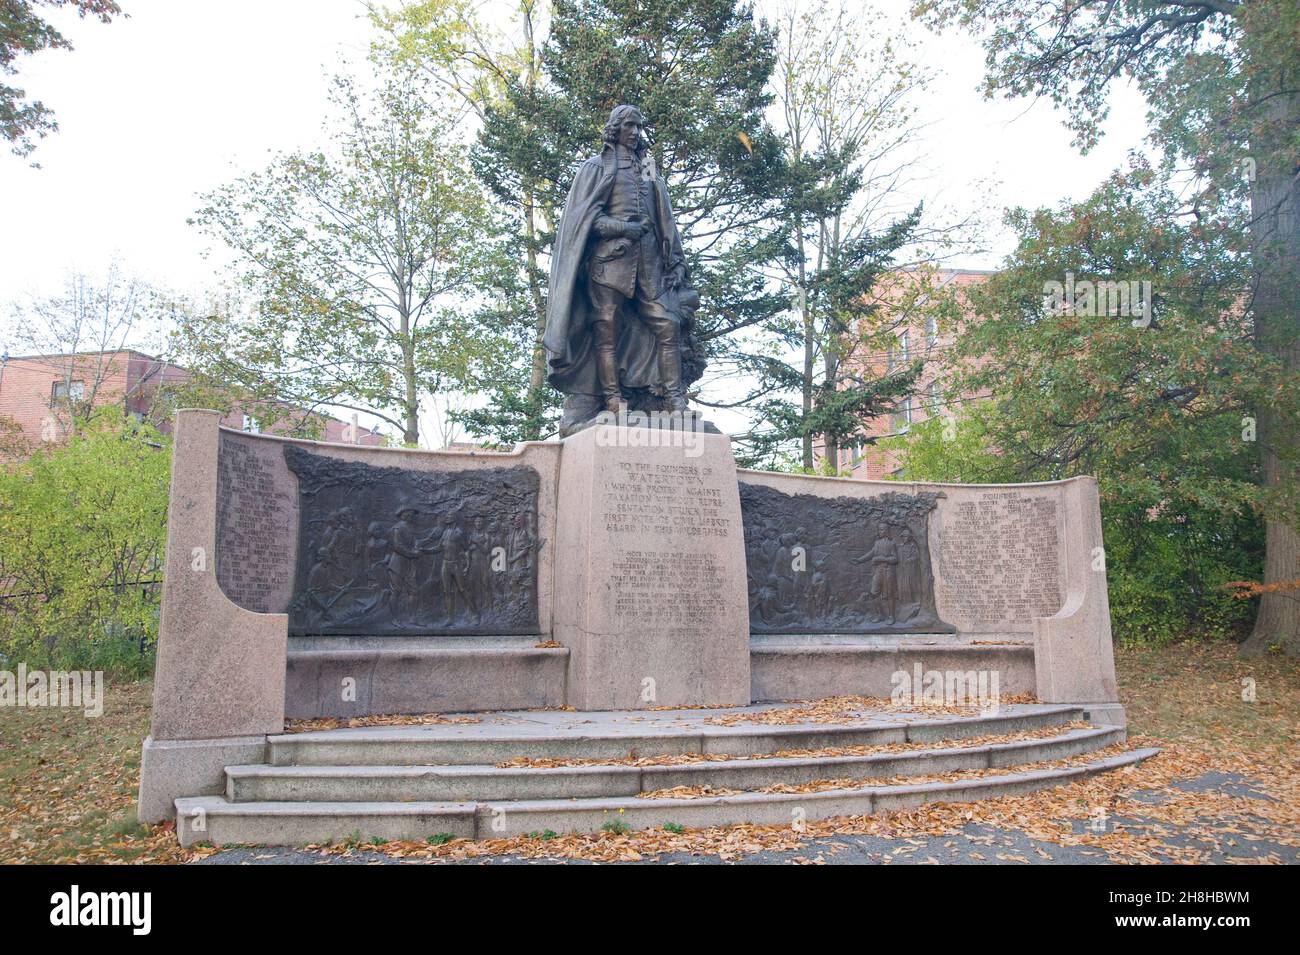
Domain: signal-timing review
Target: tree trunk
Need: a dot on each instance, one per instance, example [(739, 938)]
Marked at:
[(411, 393), (831, 384), (1275, 216), (537, 375), (809, 347), (808, 356)]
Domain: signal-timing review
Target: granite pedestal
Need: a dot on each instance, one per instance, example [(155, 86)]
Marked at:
[(650, 561)]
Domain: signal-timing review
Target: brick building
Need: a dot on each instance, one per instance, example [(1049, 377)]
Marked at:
[(915, 338), (36, 391)]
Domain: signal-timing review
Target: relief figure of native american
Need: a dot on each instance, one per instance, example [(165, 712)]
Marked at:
[(839, 564)]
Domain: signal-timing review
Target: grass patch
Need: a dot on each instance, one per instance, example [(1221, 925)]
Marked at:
[(68, 783), (1193, 692)]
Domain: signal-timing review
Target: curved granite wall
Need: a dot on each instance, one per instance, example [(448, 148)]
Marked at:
[(994, 558), (354, 540)]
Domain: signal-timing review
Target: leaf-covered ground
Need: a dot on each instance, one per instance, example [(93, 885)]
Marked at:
[(1225, 789), (68, 784)]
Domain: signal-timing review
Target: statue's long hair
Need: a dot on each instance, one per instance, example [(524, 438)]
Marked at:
[(616, 117)]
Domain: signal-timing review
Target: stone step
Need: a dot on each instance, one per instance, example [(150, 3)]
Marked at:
[(506, 819), (810, 667), (468, 782), (616, 736), (216, 820), (212, 819), (393, 676)]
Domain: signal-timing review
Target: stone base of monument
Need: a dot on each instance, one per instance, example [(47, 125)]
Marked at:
[(421, 675), (574, 593), (815, 666), (188, 767), (473, 780), (656, 611)]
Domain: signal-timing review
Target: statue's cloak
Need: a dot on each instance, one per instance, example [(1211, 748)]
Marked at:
[(568, 339)]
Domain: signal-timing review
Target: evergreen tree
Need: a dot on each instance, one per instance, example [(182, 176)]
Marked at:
[(843, 95), (699, 70)]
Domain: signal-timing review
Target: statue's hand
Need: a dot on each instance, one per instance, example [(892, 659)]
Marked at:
[(608, 228), (633, 229)]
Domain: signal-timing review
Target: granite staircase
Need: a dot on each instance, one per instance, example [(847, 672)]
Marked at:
[(529, 771)]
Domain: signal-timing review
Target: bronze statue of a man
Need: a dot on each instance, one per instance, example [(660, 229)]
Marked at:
[(618, 317)]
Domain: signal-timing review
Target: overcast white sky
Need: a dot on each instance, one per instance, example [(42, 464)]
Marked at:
[(153, 110), (184, 95)]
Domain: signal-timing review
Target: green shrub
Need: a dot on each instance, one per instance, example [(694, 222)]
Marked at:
[(1167, 558), (82, 527), (1166, 567)]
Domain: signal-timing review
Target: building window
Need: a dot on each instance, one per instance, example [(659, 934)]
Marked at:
[(902, 416), (63, 390), (251, 425), (931, 331), (899, 354), (933, 400)]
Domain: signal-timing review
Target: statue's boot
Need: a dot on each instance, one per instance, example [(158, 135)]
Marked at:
[(670, 375), (607, 371)]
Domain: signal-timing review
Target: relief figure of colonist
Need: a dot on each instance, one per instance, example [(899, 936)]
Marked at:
[(479, 566), (519, 547), (377, 563), (910, 586), (403, 552), (883, 561), (453, 548), (339, 540), (784, 573), (619, 310)]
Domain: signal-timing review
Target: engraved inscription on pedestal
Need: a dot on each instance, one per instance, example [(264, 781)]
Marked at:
[(389, 551), (999, 559), (254, 559), (649, 565), (839, 564), (656, 515)]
